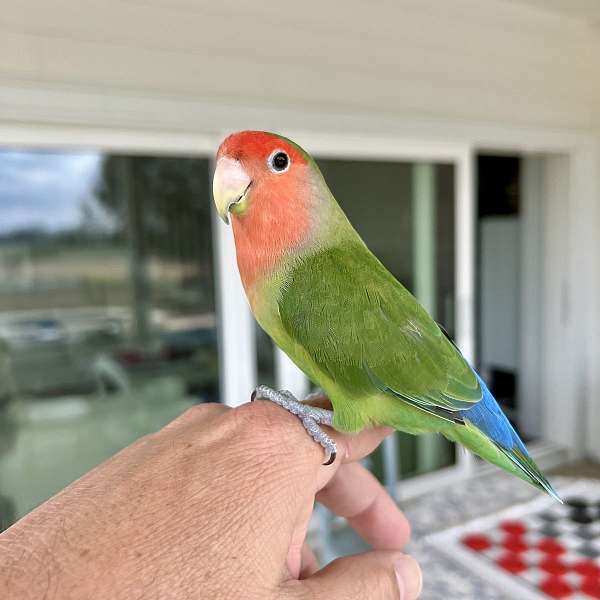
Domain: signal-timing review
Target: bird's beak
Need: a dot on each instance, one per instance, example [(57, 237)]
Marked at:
[(230, 185)]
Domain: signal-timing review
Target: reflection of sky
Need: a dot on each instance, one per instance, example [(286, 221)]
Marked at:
[(45, 190)]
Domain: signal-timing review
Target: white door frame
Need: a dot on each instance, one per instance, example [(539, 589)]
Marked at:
[(37, 117), (531, 286)]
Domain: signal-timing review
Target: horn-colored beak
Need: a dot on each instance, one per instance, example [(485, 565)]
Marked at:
[(230, 185)]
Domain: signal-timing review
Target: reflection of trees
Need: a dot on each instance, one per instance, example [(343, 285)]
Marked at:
[(173, 199), (161, 207), (173, 194), (95, 219), (143, 238)]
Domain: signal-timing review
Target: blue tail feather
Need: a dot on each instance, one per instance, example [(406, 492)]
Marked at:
[(487, 416)]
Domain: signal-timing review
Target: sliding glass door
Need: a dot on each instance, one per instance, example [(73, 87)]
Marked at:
[(107, 310)]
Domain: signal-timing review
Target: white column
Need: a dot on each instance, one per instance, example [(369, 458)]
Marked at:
[(288, 376), (464, 233), (532, 297), (425, 281), (237, 344), (586, 284), (424, 226), (464, 236)]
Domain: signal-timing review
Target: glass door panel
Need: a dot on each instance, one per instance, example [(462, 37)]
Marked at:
[(107, 310), (405, 213)]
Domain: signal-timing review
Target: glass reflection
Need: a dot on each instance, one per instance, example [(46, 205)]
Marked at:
[(107, 315)]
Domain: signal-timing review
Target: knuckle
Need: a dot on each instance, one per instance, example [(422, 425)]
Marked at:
[(381, 583), (265, 418), (380, 586), (195, 414), (146, 441), (268, 428), (201, 411), (298, 590), (388, 584)]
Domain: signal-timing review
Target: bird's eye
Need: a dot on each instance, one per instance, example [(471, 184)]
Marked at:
[(279, 161)]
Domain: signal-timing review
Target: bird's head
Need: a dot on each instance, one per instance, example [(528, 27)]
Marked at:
[(276, 197), (259, 171)]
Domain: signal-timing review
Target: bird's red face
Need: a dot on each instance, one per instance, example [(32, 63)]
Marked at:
[(264, 182), (257, 165)]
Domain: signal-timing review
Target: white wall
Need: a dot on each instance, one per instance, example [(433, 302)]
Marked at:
[(479, 59)]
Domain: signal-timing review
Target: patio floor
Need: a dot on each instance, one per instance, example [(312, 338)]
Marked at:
[(445, 578)]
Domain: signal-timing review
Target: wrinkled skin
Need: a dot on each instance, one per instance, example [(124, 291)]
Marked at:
[(216, 506)]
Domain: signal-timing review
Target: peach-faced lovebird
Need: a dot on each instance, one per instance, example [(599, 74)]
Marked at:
[(342, 317)]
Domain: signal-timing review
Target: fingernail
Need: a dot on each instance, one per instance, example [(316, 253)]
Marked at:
[(409, 577)]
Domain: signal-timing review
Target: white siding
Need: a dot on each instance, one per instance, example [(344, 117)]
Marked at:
[(490, 60)]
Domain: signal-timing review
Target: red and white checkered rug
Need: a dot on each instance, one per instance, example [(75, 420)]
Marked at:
[(535, 550)]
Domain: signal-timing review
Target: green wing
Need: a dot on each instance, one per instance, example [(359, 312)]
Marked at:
[(366, 331)]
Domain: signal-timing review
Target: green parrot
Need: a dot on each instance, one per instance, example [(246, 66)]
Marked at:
[(341, 316)]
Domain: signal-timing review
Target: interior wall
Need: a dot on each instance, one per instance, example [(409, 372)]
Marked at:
[(563, 375), (592, 405), (500, 292), (495, 60)]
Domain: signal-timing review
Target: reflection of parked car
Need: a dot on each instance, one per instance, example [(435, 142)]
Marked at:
[(184, 344), (52, 350), (7, 381), (39, 331), (55, 352), (189, 355), (7, 426)]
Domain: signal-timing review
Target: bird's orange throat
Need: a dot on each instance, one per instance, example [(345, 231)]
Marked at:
[(271, 230)]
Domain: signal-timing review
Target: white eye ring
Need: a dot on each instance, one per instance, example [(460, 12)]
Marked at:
[(272, 167)]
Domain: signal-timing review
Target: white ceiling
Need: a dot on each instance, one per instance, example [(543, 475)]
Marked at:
[(584, 10)]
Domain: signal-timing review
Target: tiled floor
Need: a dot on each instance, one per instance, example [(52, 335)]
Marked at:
[(536, 549)]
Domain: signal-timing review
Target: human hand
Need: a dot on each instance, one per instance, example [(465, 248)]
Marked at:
[(214, 506)]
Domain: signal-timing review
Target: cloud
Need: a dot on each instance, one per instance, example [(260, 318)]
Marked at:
[(44, 190)]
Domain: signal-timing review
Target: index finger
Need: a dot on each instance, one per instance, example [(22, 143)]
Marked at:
[(355, 494), (352, 447)]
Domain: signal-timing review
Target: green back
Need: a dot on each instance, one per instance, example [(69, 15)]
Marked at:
[(368, 333)]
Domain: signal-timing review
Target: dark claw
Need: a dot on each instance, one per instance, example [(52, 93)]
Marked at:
[(253, 396), (331, 459)]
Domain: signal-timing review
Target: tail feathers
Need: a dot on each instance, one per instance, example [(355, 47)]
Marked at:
[(524, 463), (487, 416)]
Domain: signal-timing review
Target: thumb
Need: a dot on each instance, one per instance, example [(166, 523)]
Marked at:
[(376, 575)]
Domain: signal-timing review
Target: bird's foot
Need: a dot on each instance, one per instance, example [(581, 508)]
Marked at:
[(311, 416)]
